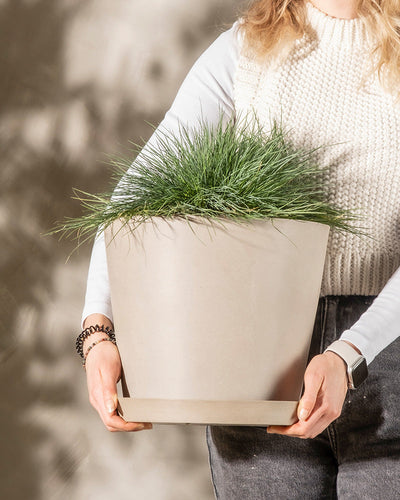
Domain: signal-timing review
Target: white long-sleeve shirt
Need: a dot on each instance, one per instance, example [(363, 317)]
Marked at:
[(208, 90)]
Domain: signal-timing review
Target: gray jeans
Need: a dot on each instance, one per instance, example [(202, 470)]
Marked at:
[(357, 457)]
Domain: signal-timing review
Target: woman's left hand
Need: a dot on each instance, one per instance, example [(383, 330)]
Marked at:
[(325, 388)]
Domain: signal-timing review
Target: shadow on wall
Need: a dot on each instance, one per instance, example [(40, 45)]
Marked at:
[(30, 79), (59, 112)]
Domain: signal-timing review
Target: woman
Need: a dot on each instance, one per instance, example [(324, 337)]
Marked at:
[(330, 70)]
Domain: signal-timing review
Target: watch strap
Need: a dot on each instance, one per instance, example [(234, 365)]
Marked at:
[(345, 351), (353, 360)]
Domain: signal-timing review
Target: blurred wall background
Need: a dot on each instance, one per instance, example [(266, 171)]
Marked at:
[(79, 78)]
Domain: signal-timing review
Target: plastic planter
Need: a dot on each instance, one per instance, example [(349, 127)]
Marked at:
[(214, 319)]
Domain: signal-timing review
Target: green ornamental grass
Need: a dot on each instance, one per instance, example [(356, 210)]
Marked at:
[(225, 171)]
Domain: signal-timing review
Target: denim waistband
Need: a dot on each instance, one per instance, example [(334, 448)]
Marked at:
[(348, 299), (335, 314)]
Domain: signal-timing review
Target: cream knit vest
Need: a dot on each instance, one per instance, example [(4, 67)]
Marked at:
[(315, 93)]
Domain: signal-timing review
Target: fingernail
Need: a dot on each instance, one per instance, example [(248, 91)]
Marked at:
[(303, 414), (144, 427), (110, 406)]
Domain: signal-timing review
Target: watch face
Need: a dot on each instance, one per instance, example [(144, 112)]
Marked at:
[(359, 372)]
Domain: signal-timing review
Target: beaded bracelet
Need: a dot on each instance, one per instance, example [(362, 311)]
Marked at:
[(95, 343), (89, 331)]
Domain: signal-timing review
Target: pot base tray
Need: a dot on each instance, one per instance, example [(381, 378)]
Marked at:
[(165, 411)]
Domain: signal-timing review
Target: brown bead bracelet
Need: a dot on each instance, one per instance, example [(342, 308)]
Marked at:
[(95, 343), (89, 331)]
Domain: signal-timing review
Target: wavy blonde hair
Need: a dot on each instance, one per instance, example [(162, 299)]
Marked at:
[(272, 26)]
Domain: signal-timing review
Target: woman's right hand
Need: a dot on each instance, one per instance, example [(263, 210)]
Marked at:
[(103, 371)]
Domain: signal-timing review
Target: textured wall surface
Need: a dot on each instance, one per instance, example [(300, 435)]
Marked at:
[(78, 79)]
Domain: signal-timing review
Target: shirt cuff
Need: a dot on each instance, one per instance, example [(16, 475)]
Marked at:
[(359, 340), (97, 308)]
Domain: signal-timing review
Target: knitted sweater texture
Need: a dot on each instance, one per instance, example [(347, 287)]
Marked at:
[(318, 95)]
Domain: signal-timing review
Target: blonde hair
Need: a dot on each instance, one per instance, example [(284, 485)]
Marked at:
[(272, 26)]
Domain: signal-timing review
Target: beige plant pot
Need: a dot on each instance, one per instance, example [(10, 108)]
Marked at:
[(214, 319)]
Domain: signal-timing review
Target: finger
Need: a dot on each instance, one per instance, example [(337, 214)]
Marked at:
[(109, 414), (303, 430), (312, 386), (115, 423), (319, 419), (290, 430), (102, 393)]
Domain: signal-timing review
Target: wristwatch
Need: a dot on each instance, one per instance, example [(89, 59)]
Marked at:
[(357, 370)]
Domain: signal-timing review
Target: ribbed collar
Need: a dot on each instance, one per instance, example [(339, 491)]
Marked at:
[(337, 31)]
